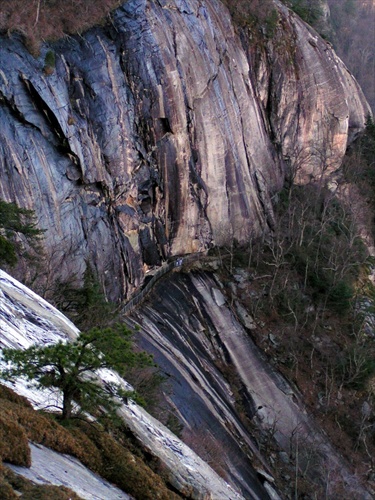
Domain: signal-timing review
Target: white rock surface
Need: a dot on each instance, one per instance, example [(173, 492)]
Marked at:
[(25, 319), (50, 467)]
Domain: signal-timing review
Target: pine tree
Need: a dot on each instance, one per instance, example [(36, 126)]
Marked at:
[(85, 305), (15, 220), (71, 367)]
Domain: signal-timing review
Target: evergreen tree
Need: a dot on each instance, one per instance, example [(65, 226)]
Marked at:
[(15, 220), (85, 305), (71, 366)]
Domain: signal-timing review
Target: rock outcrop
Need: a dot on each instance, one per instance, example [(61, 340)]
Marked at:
[(312, 100), (165, 132), (199, 342), (27, 319)]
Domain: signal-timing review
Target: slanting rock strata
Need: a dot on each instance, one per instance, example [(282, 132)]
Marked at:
[(191, 333), (26, 319), (50, 467)]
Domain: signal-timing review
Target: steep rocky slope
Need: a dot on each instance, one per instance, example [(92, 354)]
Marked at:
[(234, 405), (166, 132), (232, 399), (25, 319)]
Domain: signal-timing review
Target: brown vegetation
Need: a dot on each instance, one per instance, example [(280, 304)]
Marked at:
[(353, 23), (258, 15), (88, 442), (51, 19), (13, 487), (325, 358), (14, 446)]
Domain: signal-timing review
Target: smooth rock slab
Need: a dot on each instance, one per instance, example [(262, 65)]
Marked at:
[(50, 467)]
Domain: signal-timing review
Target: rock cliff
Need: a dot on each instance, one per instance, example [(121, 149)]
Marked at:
[(165, 132), (26, 319), (198, 338)]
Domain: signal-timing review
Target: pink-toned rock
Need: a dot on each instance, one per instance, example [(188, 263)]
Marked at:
[(165, 133)]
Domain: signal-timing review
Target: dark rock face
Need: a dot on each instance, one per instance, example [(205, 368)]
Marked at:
[(191, 328), (152, 137), (183, 335)]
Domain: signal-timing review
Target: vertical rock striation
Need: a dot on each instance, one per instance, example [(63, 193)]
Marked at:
[(313, 103), (164, 133)]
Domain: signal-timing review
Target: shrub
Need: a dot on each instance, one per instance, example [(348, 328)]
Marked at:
[(8, 395), (14, 447), (308, 10), (340, 296), (359, 170), (7, 251), (6, 491), (320, 240), (356, 366), (13, 221), (49, 62)]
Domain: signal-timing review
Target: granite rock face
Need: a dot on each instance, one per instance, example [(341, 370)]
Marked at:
[(193, 335), (27, 319), (165, 133), (313, 102)]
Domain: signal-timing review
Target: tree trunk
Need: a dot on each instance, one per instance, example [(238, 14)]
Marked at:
[(67, 405)]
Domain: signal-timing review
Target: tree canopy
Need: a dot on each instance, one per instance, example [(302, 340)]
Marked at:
[(71, 366), (13, 220), (86, 305)]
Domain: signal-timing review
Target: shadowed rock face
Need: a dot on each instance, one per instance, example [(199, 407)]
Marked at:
[(193, 332), (164, 133), (27, 319)]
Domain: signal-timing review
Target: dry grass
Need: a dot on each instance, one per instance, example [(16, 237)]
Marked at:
[(23, 424), (13, 486), (125, 469), (14, 446), (99, 451), (51, 19)]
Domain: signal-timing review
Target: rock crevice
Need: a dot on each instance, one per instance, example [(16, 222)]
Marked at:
[(150, 136)]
